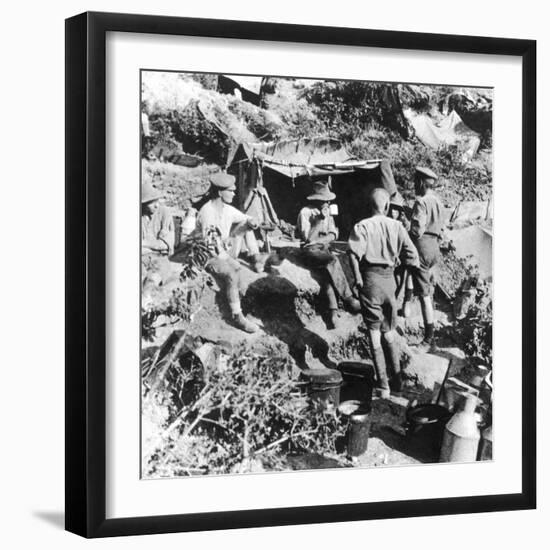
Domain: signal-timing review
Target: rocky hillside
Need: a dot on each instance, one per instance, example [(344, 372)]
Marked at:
[(192, 124)]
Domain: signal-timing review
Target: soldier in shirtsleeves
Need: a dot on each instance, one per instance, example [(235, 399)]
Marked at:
[(228, 232), (316, 229), (377, 245), (403, 278), (427, 223), (157, 244), (157, 225)]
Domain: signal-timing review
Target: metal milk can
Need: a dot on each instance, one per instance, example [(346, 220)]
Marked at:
[(486, 444), (461, 435)]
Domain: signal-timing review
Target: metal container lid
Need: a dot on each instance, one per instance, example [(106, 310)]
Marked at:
[(354, 408), (357, 369), (323, 377), (427, 413)]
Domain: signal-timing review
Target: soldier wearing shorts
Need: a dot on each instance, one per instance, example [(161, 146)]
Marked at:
[(377, 245), (227, 231), (427, 223), (317, 229)]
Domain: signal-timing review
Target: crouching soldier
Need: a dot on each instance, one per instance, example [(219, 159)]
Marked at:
[(377, 244), (316, 229), (228, 232), (427, 223)]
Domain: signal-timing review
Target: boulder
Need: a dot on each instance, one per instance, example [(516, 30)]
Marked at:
[(426, 369)]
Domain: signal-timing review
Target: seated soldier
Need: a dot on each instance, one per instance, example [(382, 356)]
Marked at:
[(157, 241), (227, 230), (316, 229), (157, 224)]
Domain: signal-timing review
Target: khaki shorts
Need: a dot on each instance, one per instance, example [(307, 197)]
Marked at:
[(428, 252), (377, 298)]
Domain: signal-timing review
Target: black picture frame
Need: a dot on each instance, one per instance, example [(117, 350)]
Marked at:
[(86, 273)]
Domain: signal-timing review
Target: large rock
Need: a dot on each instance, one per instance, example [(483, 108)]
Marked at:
[(426, 369)]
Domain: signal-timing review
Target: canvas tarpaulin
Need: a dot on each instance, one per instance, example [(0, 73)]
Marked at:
[(475, 244), (310, 157), (450, 130), (286, 170), (469, 211)]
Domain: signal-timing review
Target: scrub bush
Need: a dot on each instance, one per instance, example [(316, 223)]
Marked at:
[(249, 410)]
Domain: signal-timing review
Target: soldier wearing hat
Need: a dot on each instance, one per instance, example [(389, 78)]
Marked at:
[(227, 230), (397, 209), (316, 229), (397, 212), (157, 224), (377, 245), (427, 223)]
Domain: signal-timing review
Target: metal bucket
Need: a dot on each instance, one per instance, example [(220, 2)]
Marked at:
[(425, 423), (324, 387), (358, 377), (358, 431)]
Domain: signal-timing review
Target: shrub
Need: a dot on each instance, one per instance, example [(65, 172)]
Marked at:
[(179, 184), (472, 328), (457, 181), (206, 80), (264, 125), (184, 300), (195, 135), (347, 108), (298, 117), (476, 327), (246, 411)]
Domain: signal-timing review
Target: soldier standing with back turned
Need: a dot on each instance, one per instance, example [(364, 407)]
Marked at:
[(427, 223), (377, 245)]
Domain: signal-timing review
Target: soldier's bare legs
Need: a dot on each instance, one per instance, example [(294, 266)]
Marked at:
[(226, 273), (428, 315), (409, 287), (394, 353), (332, 301), (382, 384)]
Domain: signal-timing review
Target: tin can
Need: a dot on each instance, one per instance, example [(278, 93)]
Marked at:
[(359, 422)]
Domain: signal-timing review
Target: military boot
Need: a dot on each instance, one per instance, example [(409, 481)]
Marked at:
[(396, 380), (257, 262), (407, 303), (352, 304), (332, 319), (382, 388), (241, 322)]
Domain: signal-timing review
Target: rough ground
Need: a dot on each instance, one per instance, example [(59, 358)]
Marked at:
[(285, 303)]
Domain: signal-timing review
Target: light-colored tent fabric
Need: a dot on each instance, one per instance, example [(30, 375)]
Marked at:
[(306, 157), (468, 211), (287, 170), (475, 243), (451, 130)]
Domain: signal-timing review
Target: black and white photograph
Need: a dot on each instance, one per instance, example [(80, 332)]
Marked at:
[(316, 274), (252, 292)]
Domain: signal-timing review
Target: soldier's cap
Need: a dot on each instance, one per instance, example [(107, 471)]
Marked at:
[(222, 180), (426, 172), (149, 193)]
